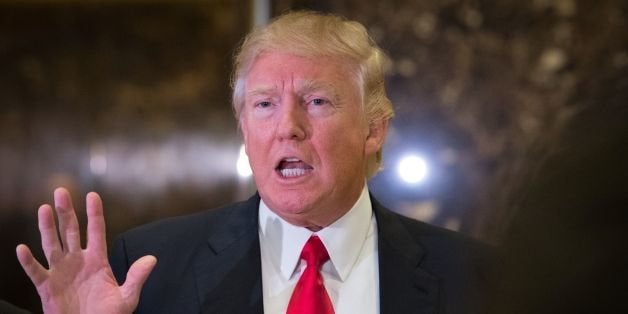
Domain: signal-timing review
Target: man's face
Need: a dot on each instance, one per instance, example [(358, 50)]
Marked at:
[(307, 136)]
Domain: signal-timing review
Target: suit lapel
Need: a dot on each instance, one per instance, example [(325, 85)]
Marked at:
[(230, 263), (228, 268), (404, 286)]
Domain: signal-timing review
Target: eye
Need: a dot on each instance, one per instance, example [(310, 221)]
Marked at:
[(263, 108), (263, 104), (318, 101), (320, 107)]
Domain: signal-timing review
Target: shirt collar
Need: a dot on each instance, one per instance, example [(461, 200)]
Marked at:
[(343, 239)]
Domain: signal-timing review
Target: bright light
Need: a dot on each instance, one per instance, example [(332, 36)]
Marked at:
[(412, 169), (242, 165), (98, 159)]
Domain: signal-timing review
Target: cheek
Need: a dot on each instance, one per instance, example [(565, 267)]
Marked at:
[(253, 146), (248, 135), (343, 147), (256, 142)]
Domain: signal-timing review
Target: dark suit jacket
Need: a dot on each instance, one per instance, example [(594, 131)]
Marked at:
[(210, 263), (8, 308)]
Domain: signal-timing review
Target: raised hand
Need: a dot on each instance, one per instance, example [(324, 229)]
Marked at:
[(80, 280)]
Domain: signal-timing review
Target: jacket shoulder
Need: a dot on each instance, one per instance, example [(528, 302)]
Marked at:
[(445, 241), (452, 267), (179, 237), (188, 227)]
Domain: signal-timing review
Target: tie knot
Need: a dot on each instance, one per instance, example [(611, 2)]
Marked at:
[(314, 252)]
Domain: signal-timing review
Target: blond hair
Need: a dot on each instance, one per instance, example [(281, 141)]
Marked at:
[(312, 34)]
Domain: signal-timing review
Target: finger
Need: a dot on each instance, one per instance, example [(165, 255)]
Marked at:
[(33, 269), (136, 277), (48, 232), (68, 224), (96, 234)]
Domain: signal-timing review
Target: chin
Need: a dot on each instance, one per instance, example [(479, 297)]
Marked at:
[(287, 205), (294, 207)]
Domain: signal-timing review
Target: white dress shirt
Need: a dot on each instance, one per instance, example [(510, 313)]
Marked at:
[(351, 275)]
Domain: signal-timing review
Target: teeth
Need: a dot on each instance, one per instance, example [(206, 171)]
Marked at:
[(295, 172)]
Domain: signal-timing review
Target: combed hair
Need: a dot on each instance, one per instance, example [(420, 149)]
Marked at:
[(312, 34)]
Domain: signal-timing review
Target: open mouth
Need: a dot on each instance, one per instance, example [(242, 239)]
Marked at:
[(292, 167)]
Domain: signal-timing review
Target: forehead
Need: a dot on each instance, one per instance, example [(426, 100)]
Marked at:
[(272, 71)]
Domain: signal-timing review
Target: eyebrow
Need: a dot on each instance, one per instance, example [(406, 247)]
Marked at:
[(309, 86), (262, 90), (306, 86)]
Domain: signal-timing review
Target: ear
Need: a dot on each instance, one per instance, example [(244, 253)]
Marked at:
[(377, 134)]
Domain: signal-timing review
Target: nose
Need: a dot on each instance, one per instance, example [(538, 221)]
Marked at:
[(292, 124)]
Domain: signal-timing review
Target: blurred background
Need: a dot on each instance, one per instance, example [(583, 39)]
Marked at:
[(131, 99)]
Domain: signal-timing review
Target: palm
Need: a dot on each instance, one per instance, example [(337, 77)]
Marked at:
[(80, 280), (77, 279)]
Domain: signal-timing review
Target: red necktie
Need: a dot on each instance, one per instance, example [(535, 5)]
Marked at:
[(310, 296)]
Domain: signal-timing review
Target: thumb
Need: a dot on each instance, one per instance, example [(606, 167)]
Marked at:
[(135, 278)]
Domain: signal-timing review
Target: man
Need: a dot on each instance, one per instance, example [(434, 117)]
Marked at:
[(308, 91)]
